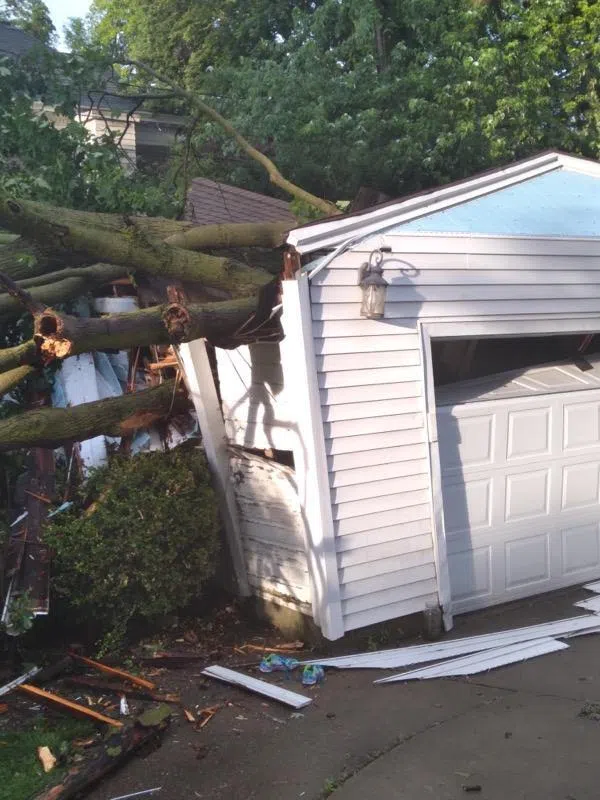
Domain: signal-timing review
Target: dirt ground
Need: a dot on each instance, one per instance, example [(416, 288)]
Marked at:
[(433, 739)]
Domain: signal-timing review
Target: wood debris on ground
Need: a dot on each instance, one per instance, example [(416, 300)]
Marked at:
[(47, 758)]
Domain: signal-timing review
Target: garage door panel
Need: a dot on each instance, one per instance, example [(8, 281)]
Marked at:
[(521, 491), (471, 574), (527, 561), (581, 425), (580, 485), (468, 505), (528, 433), (580, 548), (527, 495), (467, 441)]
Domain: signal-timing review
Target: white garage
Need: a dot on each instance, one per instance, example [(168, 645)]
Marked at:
[(427, 471), (520, 466)]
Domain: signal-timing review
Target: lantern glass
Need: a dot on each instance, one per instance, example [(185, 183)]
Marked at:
[(373, 301), (373, 286)]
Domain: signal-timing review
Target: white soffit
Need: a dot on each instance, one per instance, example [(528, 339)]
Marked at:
[(422, 653), (336, 230), (481, 662)]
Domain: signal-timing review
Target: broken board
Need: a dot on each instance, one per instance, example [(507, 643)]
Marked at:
[(259, 687), (481, 661)]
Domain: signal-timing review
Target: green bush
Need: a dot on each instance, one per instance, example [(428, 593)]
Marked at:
[(140, 542)]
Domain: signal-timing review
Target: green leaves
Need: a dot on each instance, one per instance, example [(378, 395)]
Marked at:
[(142, 541)]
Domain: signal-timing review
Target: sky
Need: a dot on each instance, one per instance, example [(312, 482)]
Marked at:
[(61, 10)]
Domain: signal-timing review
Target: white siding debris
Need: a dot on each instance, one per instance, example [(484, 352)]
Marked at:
[(481, 662), (260, 687), (422, 653)]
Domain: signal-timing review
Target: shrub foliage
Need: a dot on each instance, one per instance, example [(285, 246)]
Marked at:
[(140, 542)]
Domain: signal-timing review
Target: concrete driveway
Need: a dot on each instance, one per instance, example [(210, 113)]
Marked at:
[(509, 734)]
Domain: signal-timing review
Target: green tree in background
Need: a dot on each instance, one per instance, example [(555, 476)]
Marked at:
[(31, 16), (396, 94)]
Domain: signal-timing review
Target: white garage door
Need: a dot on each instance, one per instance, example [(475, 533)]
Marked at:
[(520, 459)]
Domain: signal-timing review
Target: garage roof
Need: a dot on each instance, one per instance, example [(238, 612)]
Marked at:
[(552, 194)]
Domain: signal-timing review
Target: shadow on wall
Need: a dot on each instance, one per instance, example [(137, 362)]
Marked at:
[(279, 556)]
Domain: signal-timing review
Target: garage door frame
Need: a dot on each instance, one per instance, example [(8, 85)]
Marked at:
[(467, 328)]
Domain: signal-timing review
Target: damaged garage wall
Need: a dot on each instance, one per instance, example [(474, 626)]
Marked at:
[(258, 422), (272, 530), (256, 408)]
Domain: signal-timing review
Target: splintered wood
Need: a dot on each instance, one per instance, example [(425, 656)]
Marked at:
[(68, 705), (119, 673)]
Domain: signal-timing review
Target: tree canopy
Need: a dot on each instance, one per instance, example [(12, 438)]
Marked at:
[(394, 94)]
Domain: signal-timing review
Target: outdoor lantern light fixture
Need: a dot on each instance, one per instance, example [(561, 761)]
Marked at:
[(373, 285)]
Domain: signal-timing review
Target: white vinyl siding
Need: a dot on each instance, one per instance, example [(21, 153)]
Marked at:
[(372, 385), (256, 408), (272, 530)]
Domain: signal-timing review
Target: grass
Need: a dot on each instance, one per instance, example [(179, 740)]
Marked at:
[(21, 774)]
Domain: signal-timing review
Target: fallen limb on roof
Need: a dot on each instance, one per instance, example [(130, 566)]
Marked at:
[(255, 685), (422, 653), (481, 661)]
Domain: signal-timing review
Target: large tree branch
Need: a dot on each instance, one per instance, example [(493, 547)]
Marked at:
[(58, 336), (132, 248), (234, 234), (12, 378), (62, 290), (273, 172), (115, 416)]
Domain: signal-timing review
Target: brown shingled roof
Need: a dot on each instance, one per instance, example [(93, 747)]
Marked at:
[(210, 202)]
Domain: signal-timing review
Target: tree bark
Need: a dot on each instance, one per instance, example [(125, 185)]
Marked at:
[(131, 248), (12, 378), (235, 234), (155, 227), (115, 750), (115, 416), (62, 290), (23, 258), (59, 335)]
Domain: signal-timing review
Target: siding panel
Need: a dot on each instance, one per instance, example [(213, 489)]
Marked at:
[(374, 456), (369, 393), (380, 502), (367, 361), (349, 477), (361, 491), (406, 591), (368, 377), (365, 578)]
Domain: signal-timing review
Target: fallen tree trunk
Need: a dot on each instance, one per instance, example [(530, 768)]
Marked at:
[(235, 234), (131, 247), (115, 751), (62, 290), (57, 336), (23, 258), (12, 378), (115, 416)]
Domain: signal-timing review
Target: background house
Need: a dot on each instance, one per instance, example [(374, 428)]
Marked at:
[(146, 137)]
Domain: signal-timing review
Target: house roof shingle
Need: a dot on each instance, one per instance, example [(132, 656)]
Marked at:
[(209, 202), (15, 42)]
